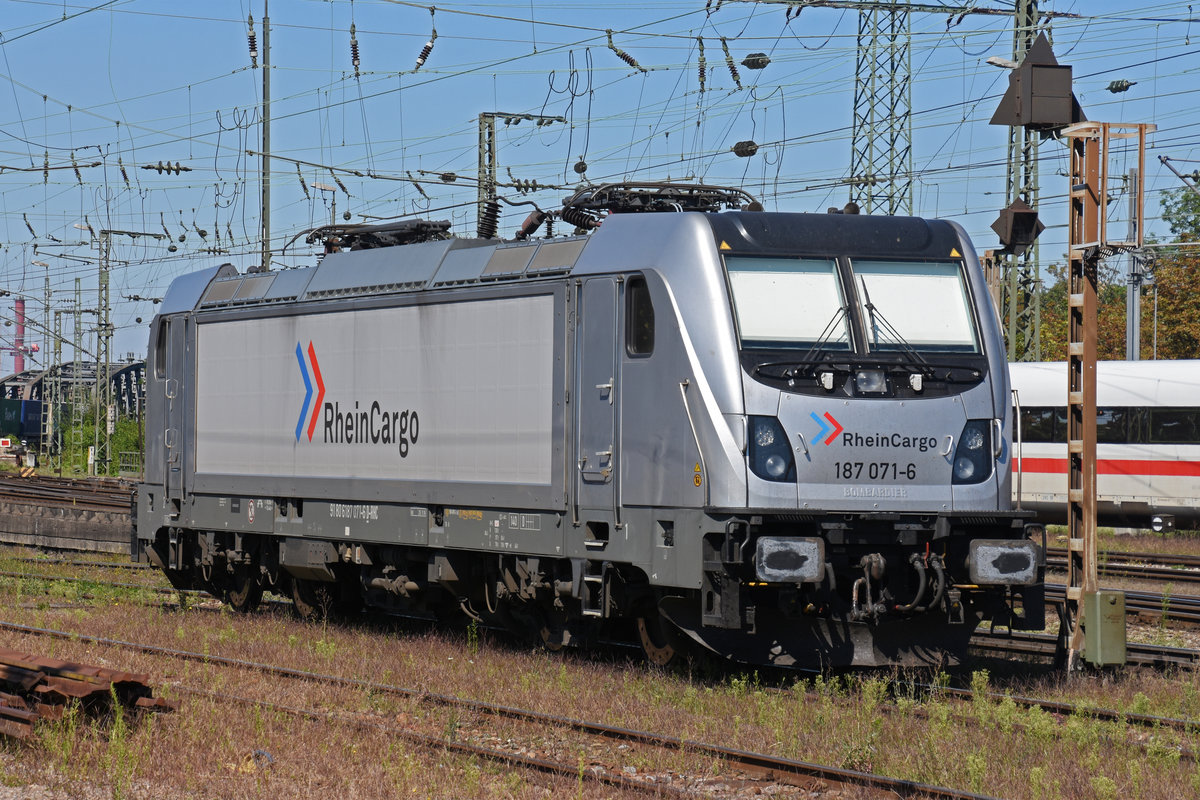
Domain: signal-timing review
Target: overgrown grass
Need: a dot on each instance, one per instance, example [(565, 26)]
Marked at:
[(208, 749)]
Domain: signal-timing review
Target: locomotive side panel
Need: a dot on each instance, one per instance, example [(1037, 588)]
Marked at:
[(455, 402)]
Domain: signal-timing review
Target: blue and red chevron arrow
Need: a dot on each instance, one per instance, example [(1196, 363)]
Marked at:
[(829, 430), (308, 390)]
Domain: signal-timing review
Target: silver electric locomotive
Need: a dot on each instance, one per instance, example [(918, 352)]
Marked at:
[(782, 437)]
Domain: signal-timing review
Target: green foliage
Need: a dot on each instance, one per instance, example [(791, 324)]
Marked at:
[(61, 736), (121, 756), (1105, 788), (78, 438), (1181, 210), (977, 770), (1170, 302), (473, 638)]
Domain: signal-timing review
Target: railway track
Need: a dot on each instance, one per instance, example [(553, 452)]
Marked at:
[(97, 494), (1150, 607), (750, 763), (1046, 645), (985, 643), (769, 767), (1146, 606), (1152, 566)]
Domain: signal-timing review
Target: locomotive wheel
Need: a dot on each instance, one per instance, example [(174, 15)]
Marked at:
[(661, 642), (554, 633), (245, 592), (313, 600)]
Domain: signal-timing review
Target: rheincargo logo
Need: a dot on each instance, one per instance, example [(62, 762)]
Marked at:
[(373, 425), (308, 393)]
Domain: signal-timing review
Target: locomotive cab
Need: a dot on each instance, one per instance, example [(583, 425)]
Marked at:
[(878, 467)]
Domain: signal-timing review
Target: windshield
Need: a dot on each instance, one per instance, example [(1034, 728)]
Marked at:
[(784, 302), (920, 305)]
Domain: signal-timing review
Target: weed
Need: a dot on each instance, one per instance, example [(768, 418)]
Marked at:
[(513, 782), (1140, 704), (564, 679), (61, 736), (874, 692), (1037, 783), (326, 648), (1104, 787), (260, 724), (1166, 606), (473, 638), (976, 771), (1161, 752), (121, 760), (858, 756), (1007, 715)]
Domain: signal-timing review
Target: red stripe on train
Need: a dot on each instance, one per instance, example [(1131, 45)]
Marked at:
[(1112, 466)]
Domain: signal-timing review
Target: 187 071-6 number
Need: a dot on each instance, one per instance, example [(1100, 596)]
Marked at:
[(875, 470)]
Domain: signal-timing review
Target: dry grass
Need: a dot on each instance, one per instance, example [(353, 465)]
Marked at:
[(206, 749), (1143, 541)]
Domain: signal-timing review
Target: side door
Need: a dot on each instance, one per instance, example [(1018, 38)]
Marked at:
[(174, 435), (597, 409)]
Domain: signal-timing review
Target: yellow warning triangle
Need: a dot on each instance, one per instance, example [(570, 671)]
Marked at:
[(724, 245), (697, 467), (954, 253)]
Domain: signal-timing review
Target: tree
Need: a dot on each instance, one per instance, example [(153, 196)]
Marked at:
[(1110, 316), (1170, 303), (1176, 284), (1181, 210)]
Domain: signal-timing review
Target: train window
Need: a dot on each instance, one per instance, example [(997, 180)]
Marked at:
[(1139, 422), (1037, 424), (160, 351), (788, 302), (1174, 426), (900, 297), (1112, 425), (639, 318)]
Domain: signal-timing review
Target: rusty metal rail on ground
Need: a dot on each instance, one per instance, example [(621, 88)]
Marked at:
[(38, 688)]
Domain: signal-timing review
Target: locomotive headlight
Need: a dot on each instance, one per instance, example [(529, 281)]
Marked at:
[(964, 468), (769, 454), (972, 457), (776, 465), (870, 381), (764, 435)]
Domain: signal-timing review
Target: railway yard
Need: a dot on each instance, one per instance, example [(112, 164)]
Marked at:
[(269, 705)]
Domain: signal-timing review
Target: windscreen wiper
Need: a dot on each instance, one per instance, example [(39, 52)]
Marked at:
[(880, 322), (817, 352)]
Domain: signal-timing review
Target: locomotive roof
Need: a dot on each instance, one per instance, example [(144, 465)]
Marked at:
[(455, 262)]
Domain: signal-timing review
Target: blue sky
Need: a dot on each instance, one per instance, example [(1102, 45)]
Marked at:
[(132, 83)]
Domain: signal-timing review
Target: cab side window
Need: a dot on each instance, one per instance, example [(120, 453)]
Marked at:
[(639, 318), (160, 351)]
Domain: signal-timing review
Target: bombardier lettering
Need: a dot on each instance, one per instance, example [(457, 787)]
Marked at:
[(374, 426), (898, 440)]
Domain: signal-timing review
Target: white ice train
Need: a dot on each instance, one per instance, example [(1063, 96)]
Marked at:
[(1147, 434)]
